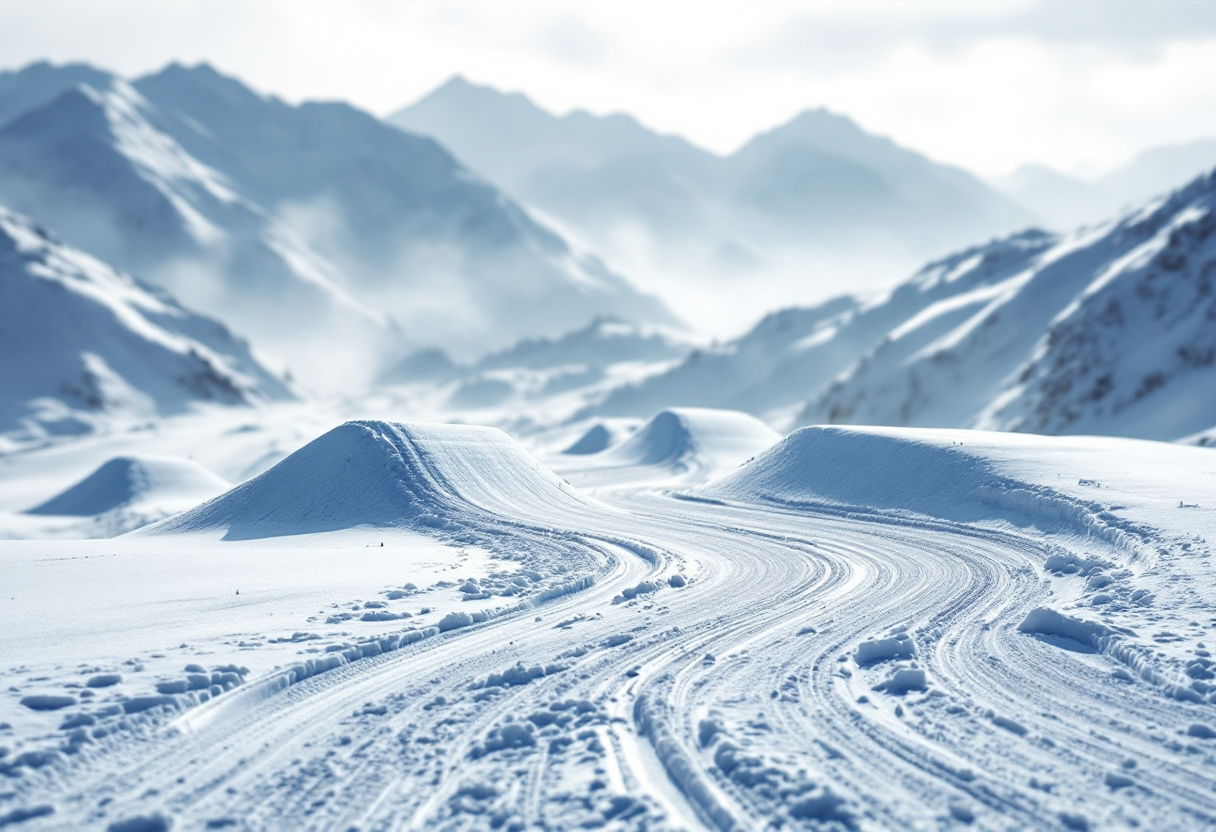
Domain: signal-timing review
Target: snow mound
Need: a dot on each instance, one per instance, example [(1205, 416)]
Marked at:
[(603, 435), (127, 481), (1073, 485), (384, 475), (596, 439), (885, 469), (693, 437)]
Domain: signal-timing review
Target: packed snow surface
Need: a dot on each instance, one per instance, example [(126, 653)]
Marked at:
[(413, 626)]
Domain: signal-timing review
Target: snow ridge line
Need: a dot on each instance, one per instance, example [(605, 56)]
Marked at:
[(667, 748), (1109, 642), (1092, 518)]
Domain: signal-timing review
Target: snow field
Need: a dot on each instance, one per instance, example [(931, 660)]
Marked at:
[(769, 649)]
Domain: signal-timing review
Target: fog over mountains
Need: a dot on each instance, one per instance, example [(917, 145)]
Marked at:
[(1066, 201), (272, 215), (79, 340), (350, 250), (818, 197)]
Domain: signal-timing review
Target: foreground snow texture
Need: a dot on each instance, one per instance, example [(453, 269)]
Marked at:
[(407, 626)]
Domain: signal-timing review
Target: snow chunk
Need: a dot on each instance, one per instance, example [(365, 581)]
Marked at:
[(898, 646), (1048, 622)]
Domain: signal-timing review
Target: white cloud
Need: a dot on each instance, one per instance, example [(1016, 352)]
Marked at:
[(987, 85)]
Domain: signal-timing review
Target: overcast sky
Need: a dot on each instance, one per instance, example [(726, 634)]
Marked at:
[(1079, 85)]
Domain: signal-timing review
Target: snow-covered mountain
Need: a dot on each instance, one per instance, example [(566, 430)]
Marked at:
[(816, 191), (795, 352), (275, 215), (1109, 330), (1067, 201), (606, 340), (80, 341), (92, 165)]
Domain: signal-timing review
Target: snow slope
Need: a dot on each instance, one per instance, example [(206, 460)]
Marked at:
[(1108, 330), (379, 474), (80, 341), (793, 353)]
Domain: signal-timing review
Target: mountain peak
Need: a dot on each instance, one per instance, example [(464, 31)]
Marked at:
[(197, 82), (38, 84)]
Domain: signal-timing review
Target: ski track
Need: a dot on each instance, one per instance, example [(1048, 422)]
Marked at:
[(1013, 732)]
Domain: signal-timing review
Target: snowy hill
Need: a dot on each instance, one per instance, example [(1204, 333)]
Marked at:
[(79, 341), (275, 214), (794, 352), (692, 436), (128, 481), (677, 446), (816, 193), (382, 474), (1109, 330), (126, 493)]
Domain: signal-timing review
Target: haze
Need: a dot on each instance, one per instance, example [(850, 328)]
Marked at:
[(1079, 86)]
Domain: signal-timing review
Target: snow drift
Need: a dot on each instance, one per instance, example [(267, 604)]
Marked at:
[(384, 475), (1072, 485), (691, 437), (130, 481)]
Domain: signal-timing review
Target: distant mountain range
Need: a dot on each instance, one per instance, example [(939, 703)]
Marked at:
[(818, 192), (1066, 202), (80, 342), (1107, 330), (331, 238)]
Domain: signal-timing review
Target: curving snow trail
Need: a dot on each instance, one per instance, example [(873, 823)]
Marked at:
[(806, 668)]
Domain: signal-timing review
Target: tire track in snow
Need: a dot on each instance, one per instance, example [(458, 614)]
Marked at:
[(761, 577)]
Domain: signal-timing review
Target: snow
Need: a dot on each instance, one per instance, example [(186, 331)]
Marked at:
[(105, 344), (580, 582), (684, 444), (425, 611), (378, 474)]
